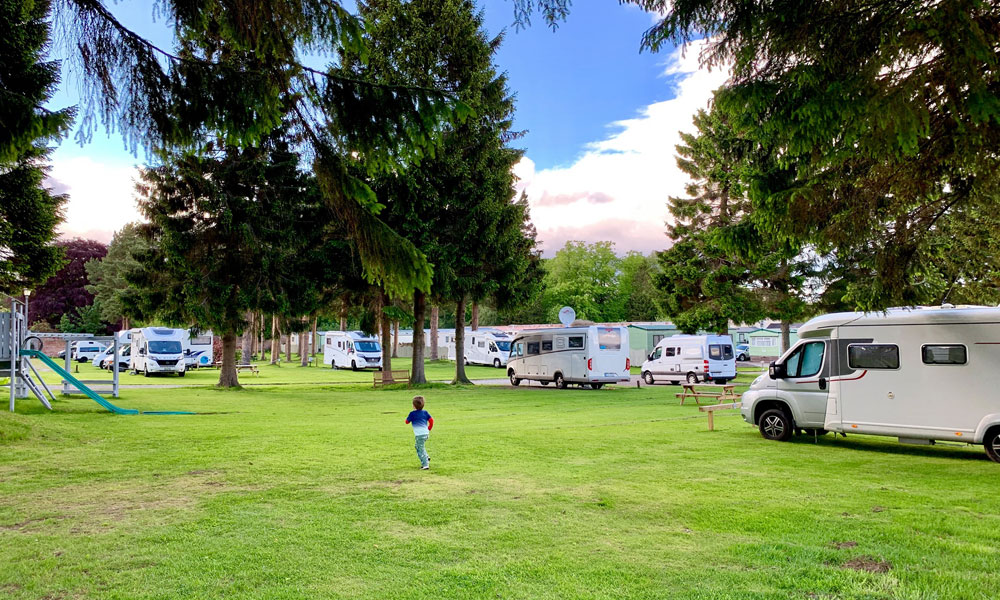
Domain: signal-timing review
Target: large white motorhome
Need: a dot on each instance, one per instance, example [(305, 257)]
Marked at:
[(352, 349), (158, 350), (198, 349), (586, 355), (919, 374), (691, 358), (486, 347)]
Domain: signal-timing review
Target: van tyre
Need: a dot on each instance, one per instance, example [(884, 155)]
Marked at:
[(145, 372), (776, 425), (648, 378), (496, 363), (333, 363), (692, 378), (182, 373), (354, 365), (992, 444), (559, 381), (514, 379)]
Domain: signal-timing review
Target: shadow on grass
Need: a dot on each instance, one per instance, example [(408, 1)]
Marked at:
[(884, 445)]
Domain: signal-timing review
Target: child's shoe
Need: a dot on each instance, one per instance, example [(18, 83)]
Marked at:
[(425, 468)]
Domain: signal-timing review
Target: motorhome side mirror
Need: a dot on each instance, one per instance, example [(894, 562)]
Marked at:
[(776, 370)]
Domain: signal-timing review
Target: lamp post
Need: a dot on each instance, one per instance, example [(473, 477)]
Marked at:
[(27, 321)]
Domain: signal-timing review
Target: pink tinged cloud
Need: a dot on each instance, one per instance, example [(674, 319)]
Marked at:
[(627, 234)]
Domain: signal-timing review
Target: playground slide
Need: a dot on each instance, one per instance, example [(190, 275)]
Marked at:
[(76, 382)]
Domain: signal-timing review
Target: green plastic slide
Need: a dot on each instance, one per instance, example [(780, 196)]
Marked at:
[(89, 392)]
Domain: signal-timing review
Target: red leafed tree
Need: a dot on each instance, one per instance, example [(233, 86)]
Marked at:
[(66, 291)]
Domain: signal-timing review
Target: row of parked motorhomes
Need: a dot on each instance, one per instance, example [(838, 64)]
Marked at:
[(150, 351)]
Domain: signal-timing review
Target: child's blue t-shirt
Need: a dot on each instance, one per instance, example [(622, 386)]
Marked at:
[(420, 420)]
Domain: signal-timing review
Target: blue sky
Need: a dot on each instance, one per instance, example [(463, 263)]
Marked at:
[(593, 106)]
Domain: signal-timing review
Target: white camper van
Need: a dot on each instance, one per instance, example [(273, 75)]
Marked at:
[(158, 350), (691, 358), (483, 347), (198, 349), (84, 351), (587, 355), (353, 349), (918, 374)]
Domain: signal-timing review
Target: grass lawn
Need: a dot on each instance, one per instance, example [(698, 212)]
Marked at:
[(315, 492), (283, 374)]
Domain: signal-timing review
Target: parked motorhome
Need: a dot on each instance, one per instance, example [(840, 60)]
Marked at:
[(691, 358), (198, 349), (918, 374), (158, 350), (84, 350), (124, 358), (587, 355), (487, 347), (352, 349)]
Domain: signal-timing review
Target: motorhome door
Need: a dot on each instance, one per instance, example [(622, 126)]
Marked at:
[(807, 377)]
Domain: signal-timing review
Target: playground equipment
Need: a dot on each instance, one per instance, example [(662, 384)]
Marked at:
[(18, 346)]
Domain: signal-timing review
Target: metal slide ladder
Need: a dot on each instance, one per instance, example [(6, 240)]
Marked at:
[(89, 392)]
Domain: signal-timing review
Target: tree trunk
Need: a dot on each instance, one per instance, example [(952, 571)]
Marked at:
[(343, 317), (475, 316), (303, 349), (395, 339), (786, 336), (435, 316), (460, 376), (312, 340), (245, 349), (386, 333), (288, 348), (228, 377), (275, 340), (419, 309)]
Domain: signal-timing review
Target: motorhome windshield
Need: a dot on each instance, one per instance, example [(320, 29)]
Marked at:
[(164, 347), (503, 346), (367, 346)]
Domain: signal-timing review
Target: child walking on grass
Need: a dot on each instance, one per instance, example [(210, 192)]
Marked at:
[(422, 422)]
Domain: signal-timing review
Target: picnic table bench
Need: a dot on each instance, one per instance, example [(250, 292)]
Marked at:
[(401, 376), (239, 368), (728, 393), (711, 411)]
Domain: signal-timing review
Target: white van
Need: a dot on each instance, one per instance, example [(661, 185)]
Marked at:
[(158, 350), (918, 374), (83, 351), (487, 348), (198, 349), (691, 358), (586, 355), (353, 349)]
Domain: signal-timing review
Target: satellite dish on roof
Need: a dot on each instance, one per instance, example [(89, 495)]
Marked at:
[(566, 316)]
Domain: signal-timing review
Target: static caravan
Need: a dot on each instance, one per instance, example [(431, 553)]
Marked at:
[(158, 350), (691, 358), (919, 374), (586, 355), (351, 349), (198, 349)]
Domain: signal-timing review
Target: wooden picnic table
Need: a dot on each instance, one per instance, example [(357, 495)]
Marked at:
[(728, 393), (711, 411), (239, 368)]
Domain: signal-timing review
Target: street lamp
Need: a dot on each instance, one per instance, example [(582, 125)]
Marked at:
[(27, 320)]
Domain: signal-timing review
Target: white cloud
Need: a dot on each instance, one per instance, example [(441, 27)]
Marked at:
[(101, 196), (633, 171)]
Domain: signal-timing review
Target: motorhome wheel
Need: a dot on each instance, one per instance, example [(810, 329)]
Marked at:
[(333, 363), (648, 378), (496, 363), (692, 378), (181, 374), (992, 444), (354, 365), (145, 372), (514, 379), (776, 425), (560, 382)]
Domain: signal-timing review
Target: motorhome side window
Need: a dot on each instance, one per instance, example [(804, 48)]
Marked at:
[(715, 352), (873, 356), (806, 360), (519, 349), (944, 354), (576, 341), (609, 338), (670, 352), (547, 346), (532, 348)]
